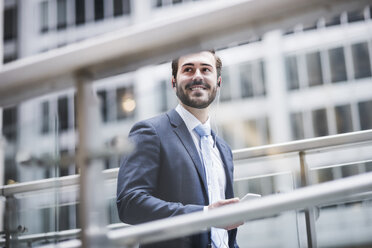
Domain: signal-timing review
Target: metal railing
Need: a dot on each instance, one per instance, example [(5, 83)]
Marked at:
[(305, 198)]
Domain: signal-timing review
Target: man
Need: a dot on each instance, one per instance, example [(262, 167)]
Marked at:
[(175, 168)]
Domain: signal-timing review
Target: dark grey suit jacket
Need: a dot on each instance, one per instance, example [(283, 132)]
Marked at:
[(165, 177)]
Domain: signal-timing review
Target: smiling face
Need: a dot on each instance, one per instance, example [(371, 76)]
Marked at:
[(196, 82)]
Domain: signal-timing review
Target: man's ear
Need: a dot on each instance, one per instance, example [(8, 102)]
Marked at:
[(219, 80), (173, 82)]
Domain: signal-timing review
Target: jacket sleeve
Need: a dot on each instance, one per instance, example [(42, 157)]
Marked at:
[(137, 181)]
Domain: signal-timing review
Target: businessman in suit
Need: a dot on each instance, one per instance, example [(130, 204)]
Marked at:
[(176, 168)]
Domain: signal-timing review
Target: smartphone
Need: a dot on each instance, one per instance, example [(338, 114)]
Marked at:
[(250, 196)]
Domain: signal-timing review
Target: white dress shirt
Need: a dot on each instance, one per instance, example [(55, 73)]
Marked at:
[(191, 122)]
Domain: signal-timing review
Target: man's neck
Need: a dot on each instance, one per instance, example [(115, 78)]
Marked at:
[(200, 114)]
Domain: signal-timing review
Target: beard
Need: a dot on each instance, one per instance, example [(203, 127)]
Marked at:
[(196, 102)]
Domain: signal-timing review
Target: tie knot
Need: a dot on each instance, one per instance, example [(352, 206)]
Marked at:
[(202, 130)]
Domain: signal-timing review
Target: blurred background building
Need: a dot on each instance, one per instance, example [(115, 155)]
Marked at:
[(304, 82)]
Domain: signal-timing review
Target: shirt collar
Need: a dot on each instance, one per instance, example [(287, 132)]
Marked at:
[(191, 121)]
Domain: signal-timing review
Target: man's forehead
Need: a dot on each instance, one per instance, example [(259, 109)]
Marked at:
[(205, 58)]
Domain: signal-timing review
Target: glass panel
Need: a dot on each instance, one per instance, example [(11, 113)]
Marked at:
[(337, 64), (361, 60), (79, 12), (291, 72), (61, 14), (44, 20), (365, 110), (297, 126), (246, 83), (268, 176), (314, 69), (320, 123), (343, 119), (345, 222)]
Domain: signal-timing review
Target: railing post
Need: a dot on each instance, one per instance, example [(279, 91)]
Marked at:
[(93, 216), (309, 212)]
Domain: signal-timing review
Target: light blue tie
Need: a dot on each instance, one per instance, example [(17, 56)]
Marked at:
[(218, 235)]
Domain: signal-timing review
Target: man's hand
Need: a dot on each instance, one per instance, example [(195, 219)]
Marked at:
[(223, 203)]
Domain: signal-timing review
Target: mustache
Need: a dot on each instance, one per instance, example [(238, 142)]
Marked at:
[(197, 83)]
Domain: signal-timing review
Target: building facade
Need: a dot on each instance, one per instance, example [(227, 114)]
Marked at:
[(304, 82)]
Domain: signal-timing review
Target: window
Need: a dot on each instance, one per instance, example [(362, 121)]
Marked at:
[(121, 7), (126, 7), (45, 118), (10, 119), (98, 10), (125, 102), (63, 114), (337, 64), (158, 3), (61, 14), (256, 132), (361, 60), (176, 1), (63, 169), (163, 96), (10, 23), (365, 110), (118, 7), (297, 124), (246, 82), (291, 72), (103, 104), (225, 89), (320, 123), (336, 20), (44, 20), (79, 12), (314, 69), (261, 84), (11, 172), (343, 119), (355, 16)]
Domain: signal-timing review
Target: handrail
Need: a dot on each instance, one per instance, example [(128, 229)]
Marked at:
[(304, 145), (293, 146), (264, 207)]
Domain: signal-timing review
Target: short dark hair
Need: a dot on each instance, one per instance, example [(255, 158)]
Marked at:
[(218, 64)]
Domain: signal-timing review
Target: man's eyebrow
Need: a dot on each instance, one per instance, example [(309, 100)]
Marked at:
[(188, 64), (191, 64)]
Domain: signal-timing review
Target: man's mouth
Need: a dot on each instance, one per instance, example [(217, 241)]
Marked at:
[(197, 88)]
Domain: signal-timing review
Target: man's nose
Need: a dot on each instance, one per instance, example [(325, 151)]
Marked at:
[(197, 75)]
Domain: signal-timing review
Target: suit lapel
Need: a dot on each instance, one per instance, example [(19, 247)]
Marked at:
[(227, 163), (184, 135)]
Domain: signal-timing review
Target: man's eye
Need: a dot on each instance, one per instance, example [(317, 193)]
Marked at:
[(187, 70), (206, 69)]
